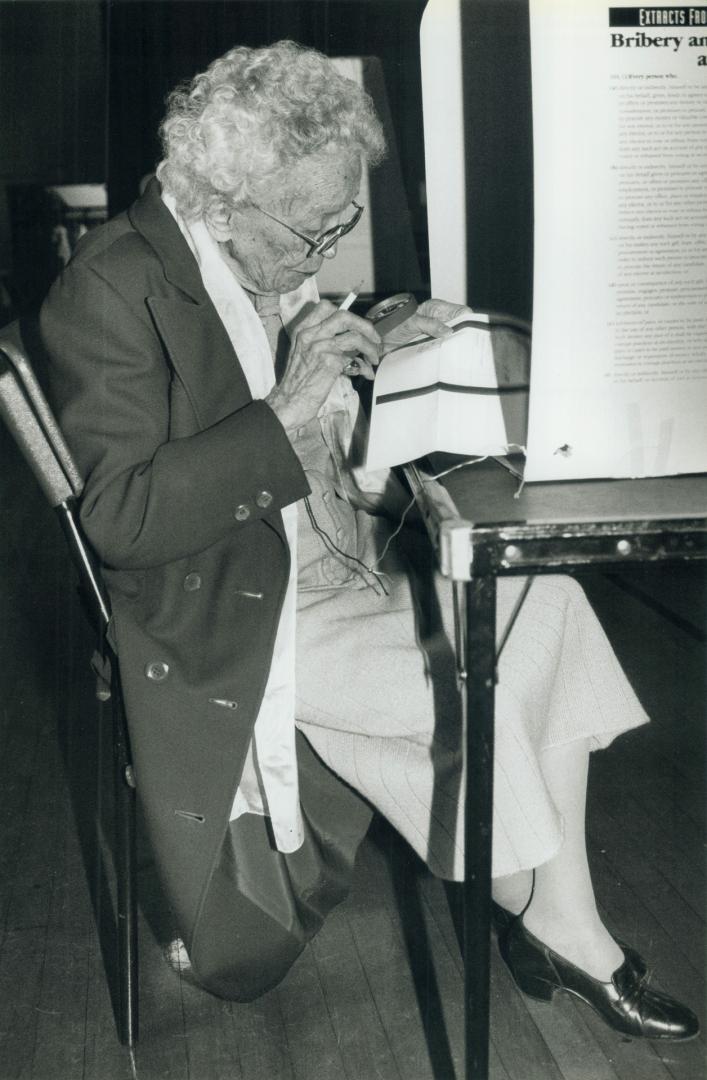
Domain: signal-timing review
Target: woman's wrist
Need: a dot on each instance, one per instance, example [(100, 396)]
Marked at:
[(284, 409)]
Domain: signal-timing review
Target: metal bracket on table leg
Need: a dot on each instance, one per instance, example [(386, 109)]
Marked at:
[(456, 550), (456, 554)]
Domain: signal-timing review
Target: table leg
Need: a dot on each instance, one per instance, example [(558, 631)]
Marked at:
[(480, 665)]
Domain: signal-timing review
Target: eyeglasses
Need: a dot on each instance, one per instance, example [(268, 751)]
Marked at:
[(322, 244)]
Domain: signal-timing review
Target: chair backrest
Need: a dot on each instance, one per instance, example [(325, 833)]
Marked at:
[(29, 418)]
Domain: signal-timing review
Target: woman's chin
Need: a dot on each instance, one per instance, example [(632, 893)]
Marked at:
[(292, 279)]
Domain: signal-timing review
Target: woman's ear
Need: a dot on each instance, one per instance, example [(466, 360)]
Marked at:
[(218, 220)]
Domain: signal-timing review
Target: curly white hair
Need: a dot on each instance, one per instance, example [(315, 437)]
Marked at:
[(236, 129)]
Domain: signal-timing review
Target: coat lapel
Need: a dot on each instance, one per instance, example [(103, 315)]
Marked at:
[(202, 355), (191, 331), (187, 321)]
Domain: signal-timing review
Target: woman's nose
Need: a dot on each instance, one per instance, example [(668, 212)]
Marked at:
[(330, 253)]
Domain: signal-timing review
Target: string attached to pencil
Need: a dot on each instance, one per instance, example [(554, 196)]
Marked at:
[(380, 574)]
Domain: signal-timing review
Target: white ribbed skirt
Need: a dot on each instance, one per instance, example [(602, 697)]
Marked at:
[(377, 699)]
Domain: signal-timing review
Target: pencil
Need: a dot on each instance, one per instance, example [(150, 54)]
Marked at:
[(348, 301)]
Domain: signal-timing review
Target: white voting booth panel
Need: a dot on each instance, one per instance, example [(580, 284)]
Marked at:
[(619, 363), (619, 385), (443, 115)]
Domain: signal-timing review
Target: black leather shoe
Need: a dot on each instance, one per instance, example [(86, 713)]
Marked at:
[(626, 1002)]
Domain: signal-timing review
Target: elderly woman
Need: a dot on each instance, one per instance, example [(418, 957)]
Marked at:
[(281, 675)]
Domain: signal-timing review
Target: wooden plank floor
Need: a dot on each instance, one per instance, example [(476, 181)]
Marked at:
[(378, 994)]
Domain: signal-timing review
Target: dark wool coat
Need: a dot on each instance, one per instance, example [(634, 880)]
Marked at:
[(185, 478)]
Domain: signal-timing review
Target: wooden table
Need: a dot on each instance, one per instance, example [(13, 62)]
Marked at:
[(483, 524)]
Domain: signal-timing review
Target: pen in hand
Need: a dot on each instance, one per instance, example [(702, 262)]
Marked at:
[(353, 367), (348, 300)]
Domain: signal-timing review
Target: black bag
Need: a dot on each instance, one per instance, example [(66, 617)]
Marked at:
[(262, 906)]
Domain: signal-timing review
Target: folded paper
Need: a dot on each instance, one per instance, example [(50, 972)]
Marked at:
[(462, 394)]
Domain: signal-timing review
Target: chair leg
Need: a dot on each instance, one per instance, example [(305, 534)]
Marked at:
[(126, 878)]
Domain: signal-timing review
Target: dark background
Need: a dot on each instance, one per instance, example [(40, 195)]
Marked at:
[(83, 83)]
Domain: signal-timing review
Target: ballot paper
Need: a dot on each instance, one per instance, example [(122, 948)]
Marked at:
[(451, 394), (619, 361)]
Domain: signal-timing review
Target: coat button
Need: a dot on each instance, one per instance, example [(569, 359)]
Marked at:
[(241, 513), (192, 582), (263, 499), (157, 670)]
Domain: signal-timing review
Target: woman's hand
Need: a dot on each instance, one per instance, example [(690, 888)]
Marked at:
[(510, 340), (325, 343), (428, 321)]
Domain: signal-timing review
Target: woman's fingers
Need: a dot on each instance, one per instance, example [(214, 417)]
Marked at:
[(329, 363), (347, 354), (357, 365), (429, 320), (417, 326), (321, 311), (428, 324), (354, 343), (327, 322), (444, 310), (324, 337), (327, 342)]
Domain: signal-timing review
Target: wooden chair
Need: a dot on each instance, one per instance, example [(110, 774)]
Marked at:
[(26, 413)]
